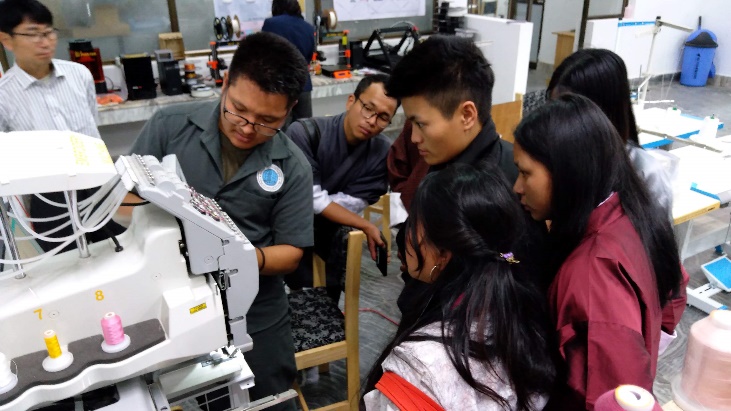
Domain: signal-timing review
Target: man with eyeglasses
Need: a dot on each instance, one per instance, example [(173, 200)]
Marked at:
[(40, 92), (234, 151), (348, 157), (43, 93)]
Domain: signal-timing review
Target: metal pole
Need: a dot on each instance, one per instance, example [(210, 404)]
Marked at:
[(9, 237), (648, 74), (173, 14), (582, 28), (80, 240)]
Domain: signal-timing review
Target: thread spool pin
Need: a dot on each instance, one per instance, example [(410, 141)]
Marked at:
[(8, 379), (58, 357), (633, 398), (115, 340)]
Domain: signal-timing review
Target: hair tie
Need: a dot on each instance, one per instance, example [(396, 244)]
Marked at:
[(509, 257)]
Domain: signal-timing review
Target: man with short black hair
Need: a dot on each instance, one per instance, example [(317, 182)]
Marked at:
[(40, 92), (348, 157), (43, 93), (233, 151), (449, 107)]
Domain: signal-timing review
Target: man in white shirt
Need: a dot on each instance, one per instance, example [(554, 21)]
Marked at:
[(39, 92), (42, 93)]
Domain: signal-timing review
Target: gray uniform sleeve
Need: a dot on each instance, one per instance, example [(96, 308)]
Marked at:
[(152, 138), (292, 216)]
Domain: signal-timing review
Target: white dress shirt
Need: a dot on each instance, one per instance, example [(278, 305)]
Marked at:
[(65, 100)]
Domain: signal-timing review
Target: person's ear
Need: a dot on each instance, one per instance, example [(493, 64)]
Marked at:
[(5, 39), (350, 102), (444, 257), (224, 87), (468, 112)]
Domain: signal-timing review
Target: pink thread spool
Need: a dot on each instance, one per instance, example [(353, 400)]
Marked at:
[(115, 340), (705, 383), (627, 398)]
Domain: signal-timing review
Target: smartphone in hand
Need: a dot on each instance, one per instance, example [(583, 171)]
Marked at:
[(382, 257)]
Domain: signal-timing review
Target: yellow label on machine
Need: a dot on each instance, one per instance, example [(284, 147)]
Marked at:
[(79, 151), (197, 308)]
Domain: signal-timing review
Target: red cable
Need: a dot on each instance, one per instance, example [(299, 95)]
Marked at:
[(371, 310), (22, 206)]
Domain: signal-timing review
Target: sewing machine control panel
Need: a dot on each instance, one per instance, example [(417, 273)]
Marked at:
[(160, 181)]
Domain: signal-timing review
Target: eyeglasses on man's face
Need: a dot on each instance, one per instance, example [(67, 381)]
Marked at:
[(382, 119), (37, 37), (241, 121)]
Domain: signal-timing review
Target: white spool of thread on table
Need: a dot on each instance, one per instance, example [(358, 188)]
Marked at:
[(709, 128)]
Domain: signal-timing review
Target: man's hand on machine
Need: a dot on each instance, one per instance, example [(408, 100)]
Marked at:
[(123, 216)]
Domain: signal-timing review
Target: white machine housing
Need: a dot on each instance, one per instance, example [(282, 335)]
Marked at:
[(176, 279)]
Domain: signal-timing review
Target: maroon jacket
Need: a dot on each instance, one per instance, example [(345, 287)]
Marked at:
[(605, 304)]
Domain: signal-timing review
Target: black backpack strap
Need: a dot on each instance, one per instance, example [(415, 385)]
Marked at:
[(313, 134)]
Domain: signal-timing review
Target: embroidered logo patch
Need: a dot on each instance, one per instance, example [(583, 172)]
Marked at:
[(270, 179)]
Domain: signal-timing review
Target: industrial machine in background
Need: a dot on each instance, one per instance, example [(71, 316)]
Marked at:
[(343, 67), (81, 51), (325, 22), (138, 76), (216, 64), (168, 72), (381, 56), (156, 319)]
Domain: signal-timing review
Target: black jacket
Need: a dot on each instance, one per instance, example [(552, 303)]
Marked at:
[(531, 250)]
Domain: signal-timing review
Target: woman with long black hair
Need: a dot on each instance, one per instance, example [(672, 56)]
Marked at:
[(478, 337), (612, 247), (601, 75)]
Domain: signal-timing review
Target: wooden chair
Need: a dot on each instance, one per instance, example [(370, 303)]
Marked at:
[(507, 116), (382, 207), (322, 333)]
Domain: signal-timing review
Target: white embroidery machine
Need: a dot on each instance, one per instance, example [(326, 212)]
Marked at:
[(182, 285)]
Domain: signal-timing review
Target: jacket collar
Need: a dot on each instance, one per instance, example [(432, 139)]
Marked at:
[(481, 147), (605, 214), (26, 80)]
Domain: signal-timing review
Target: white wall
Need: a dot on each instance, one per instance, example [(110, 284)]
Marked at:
[(667, 55), (559, 15), (717, 18), (633, 43), (508, 53)]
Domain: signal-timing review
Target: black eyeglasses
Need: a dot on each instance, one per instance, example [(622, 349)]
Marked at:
[(51, 35), (242, 121), (382, 119)]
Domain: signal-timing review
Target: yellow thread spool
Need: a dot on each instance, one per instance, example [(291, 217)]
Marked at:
[(54, 349)]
